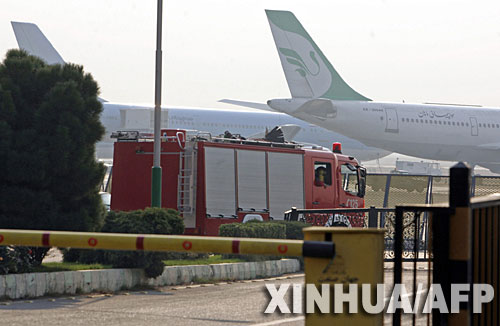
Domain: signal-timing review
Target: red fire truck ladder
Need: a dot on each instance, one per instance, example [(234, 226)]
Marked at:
[(186, 185)]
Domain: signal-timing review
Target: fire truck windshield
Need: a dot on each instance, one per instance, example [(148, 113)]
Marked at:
[(350, 178)]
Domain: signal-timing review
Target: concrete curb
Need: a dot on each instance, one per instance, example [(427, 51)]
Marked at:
[(31, 285)]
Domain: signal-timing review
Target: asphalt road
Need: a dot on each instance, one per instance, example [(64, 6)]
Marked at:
[(240, 303)]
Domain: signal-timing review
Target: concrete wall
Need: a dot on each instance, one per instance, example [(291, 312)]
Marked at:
[(31, 285)]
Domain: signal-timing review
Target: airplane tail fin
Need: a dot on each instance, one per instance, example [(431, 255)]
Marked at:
[(308, 72), (31, 39)]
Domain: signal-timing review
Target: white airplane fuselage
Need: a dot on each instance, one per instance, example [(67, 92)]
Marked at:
[(215, 121), (437, 132)]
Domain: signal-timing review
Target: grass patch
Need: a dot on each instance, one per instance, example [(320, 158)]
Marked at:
[(213, 259), (64, 267)]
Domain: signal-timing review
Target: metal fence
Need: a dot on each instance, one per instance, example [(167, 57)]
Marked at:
[(390, 190), (463, 246), (485, 252), (415, 241)]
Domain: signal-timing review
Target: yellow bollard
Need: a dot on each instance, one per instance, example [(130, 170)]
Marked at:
[(359, 260)]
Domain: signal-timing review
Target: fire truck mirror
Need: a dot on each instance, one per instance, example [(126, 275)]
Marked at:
[(361, 181)]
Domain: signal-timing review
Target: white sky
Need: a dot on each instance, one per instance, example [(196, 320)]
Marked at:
[(419, 51)]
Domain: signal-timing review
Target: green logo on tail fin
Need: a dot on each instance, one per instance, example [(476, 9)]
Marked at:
[(289, 32), (294, 58)]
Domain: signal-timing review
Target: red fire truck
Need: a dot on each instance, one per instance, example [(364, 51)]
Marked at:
[(213, 181)]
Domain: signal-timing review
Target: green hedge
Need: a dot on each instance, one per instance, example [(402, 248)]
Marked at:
[(293, 230), (148, 221), (257, 229), (15, 259), (253, 229)]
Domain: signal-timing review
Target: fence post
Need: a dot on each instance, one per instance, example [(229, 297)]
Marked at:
[(294, 216), (372, 217), (387, 190), (460, 235)]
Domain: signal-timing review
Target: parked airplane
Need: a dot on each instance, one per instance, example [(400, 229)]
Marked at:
[(435, 131), (432, 131), (117, 116)]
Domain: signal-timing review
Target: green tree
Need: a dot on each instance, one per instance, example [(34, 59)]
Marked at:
[(49, 124)]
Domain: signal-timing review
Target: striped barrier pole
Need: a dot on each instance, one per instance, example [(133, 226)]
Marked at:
[(177, 243)]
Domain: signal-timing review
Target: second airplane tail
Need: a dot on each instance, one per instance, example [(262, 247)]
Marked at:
[(31, 39), (308, 72)]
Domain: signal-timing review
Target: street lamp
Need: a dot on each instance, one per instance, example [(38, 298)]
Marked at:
[(156, 171)]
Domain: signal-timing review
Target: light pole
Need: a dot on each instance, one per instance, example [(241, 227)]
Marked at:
[(156, 171)]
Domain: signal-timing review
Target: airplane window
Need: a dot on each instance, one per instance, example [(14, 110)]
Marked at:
[(466, 124), (497, 125), (426, 121), (453, 123), (421, 121), (449, 123), (439, 122), (489, 125), (412, 120)]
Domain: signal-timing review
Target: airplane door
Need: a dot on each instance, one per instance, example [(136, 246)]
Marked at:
[(473, 126), (391, 121)]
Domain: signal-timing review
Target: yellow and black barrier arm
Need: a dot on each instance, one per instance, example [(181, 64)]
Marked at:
[(178, 243)]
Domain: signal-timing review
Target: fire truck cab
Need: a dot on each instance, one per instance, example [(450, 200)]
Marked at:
[(215, 180)]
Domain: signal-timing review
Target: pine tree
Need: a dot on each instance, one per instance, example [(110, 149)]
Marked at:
[(49, 125)]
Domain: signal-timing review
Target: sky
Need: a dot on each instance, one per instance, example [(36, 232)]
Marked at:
[(392, 50)]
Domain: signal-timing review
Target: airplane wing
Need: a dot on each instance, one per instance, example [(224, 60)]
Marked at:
[(31, 39), (253, 105), (492, 146), (493, 167), (289, 132)]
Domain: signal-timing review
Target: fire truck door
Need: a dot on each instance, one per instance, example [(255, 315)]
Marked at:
[(323, 189)]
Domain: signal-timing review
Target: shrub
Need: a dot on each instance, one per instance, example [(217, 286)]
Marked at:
[(16, 259), (148, 221), (293, 229), (257, 229), (253, 229)]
